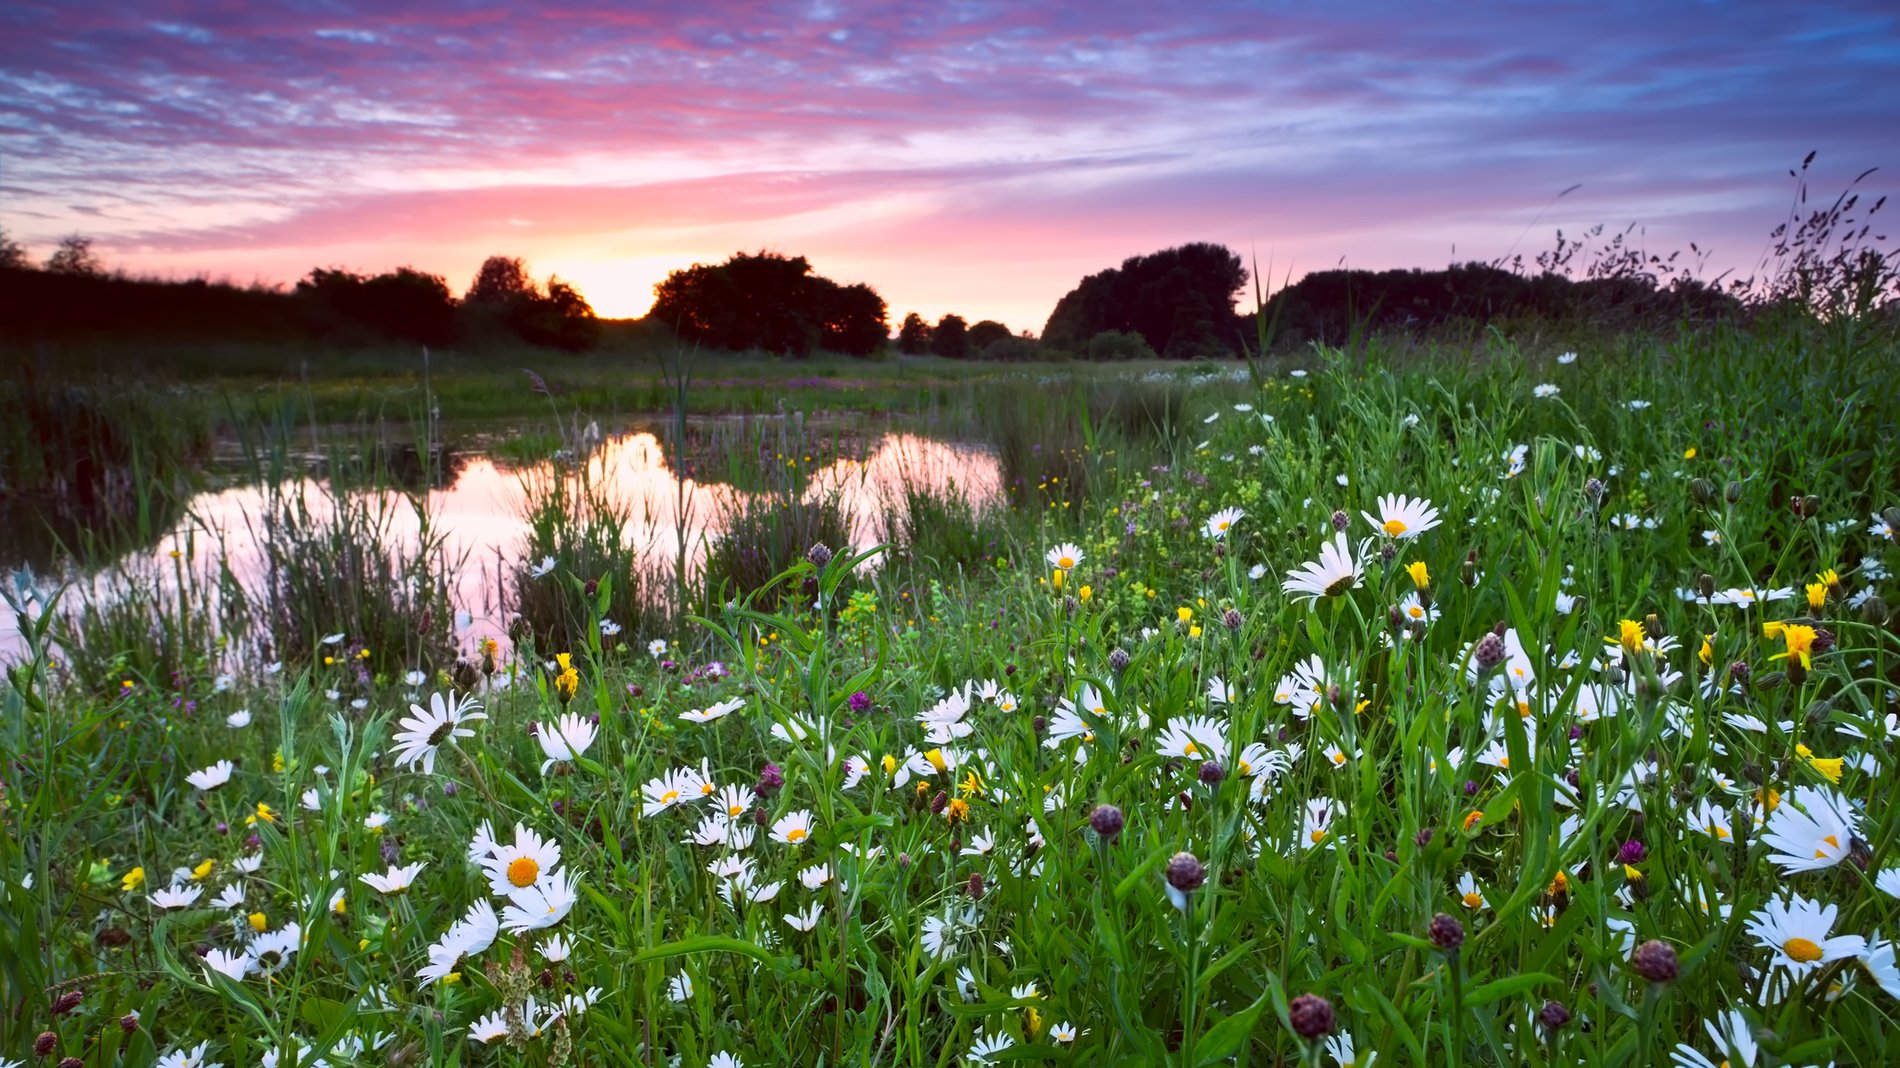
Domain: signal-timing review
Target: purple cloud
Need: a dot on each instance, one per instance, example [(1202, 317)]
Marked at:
[(976, 157)]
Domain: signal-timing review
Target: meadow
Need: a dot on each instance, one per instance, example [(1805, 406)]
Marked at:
[(1505, 704)]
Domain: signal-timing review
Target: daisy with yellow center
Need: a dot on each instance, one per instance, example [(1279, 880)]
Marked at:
[(793, 828), (1797, 932), (523, 863), (1403, 517), (1064, 557)]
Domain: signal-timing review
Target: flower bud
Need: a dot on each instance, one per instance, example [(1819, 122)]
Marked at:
[(1446, 932), (1186, 873), (1656, 961), (1212, 773), (1118, 660), (1705, 585), (1732, 493), (1468, 571), (1107, 821), (819, 554), (1232, 619), (1340, 522), (1311, 1016), (1702, 491), (1553, 1016), (45, 1044), (1489, 652)]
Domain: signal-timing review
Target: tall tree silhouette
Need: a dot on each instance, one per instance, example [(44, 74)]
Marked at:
[(913, 338), (12, 253), (75, 256), (769, 301), (1180, 300), (951, 337)]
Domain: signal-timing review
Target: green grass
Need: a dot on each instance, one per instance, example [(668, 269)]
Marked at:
[(1333, 826)]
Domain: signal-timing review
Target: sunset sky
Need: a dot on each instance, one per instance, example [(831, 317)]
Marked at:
[(957, 156)]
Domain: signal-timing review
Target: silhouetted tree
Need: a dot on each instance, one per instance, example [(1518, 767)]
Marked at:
[(75, 256), (12, 253), (402, 305), (951, 337), (855, 319), (1180, 300), (772, 302), (501, 280), (985, 333), (913, 338), (561, 319)]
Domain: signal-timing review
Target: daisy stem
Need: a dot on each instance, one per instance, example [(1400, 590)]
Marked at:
[(1455, 968), (1191, 932)]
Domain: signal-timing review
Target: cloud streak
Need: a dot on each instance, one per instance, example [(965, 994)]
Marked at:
[(968, 156)]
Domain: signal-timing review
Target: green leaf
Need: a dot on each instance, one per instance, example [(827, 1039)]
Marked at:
[(1225, 1038), (1509, 986)]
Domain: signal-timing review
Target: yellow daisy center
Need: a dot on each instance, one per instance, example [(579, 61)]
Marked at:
[(1189, 749), (705, 789), (1318, 836), (523, 871), (1473, 899), (734, 810), (669, 797), (1416, 612), (1246, 768), (1223, 524), (1395, 527), (1339, 758), (1066, 562), (796, 834), (1800, 949)]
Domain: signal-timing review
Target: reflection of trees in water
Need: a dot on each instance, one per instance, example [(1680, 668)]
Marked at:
[(402, 465), (118, 514)]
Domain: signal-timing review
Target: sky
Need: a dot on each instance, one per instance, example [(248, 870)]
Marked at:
[(968, 157)]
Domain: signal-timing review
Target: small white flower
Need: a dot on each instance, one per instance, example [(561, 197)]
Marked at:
[(1545, 390), (238, 720), (211, 778), (1567, 358)]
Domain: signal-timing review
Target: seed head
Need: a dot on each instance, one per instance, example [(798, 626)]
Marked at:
[(1311, 1016), (1446, 932), (1107, 821), (1489, 652), (1185, 873), (1656, 961), (1553, 1016)]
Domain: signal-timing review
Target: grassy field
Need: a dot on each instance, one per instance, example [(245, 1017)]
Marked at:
[(1200, 749)]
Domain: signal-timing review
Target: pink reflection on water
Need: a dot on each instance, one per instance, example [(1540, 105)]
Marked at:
[(481, 519)]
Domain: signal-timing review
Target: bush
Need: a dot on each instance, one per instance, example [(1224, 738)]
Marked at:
[(1119, 345)]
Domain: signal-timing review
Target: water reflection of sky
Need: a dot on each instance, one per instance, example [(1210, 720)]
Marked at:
[(481, 516)]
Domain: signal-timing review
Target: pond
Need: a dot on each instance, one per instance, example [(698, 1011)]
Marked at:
[(480, 516)]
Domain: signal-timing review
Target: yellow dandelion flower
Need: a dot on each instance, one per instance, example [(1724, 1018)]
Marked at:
[(1800, 641), (1421, 577), (132, 880)]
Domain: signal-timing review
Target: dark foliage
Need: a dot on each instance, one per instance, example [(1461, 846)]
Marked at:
[(1180, 300), (913, 338), (404, 304), (770, 302), (951, 337)]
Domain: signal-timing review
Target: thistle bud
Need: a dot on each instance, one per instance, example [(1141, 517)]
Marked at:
[(1311, 1016), (1232, 619), (1388, 553), (1652, 626), (1702, 491), (1874, 610), (1732, 493), (1810, 506), (1212, 773), (1552, 1017), (819, 554), (1489, 652), (45, 1044), (1823, 640), (1118, 660), (1340, 522), (1446, 932), (1594, 491), (1656, 961), (1107, 821)]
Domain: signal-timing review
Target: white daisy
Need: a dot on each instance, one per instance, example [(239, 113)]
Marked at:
[(1796, 931), (793, 828), (212, 777), (238, 720), (806, 920), (713, 712), (395, 880), (1064, 557), (1403, 517), (517, 866), (1810, 831), (177, 897), (1220, 522), (234, 966), (422, 733), (541, 905), (565, 739), (1336, 571)]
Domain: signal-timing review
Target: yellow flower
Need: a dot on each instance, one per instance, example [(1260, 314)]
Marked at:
[(972, 785), (565, 660), (1084, 594), (1194, 632), (1472, 819), (935, 756), (1707, 652), (133, 880), (1772, 629), (1800, 640), (203, 869), (1817, 596), (890, 764), (958, 811), (1055, 577), (277, 761), (567, 683), (263, 813), (1184, 613), (258, 922), (1829, 767), (1689, 453), (1630, 636), (1421, 577)]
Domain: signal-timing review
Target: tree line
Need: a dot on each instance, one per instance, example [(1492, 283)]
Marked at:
[(1177, 303), (73, 293)]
